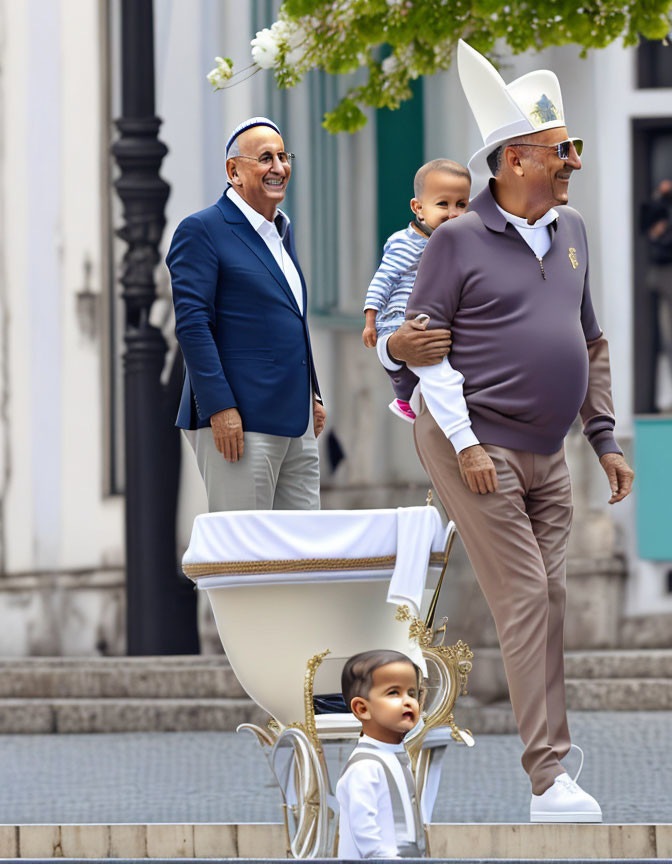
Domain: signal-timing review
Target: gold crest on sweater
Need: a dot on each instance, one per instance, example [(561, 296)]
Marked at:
[(573, 258)]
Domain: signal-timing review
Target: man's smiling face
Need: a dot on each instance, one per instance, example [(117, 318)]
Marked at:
[(262, 184), (547, 176)]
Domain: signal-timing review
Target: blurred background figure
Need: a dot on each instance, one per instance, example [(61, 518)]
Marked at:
[(656, 222)]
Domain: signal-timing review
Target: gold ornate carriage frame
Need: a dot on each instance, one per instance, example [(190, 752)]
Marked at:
[(296, 756)]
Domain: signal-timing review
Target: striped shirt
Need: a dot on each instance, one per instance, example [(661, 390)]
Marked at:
[(393, 281)]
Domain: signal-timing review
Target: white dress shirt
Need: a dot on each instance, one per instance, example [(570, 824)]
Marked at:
[(268, 231), (366, 821), (441, 385)]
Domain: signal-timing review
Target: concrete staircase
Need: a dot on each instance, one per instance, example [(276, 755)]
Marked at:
[(122, 694), (628, 680), (200, 693), (616, 680)]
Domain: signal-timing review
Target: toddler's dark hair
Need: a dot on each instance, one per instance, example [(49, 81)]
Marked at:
[(446, 165), (357, 675)]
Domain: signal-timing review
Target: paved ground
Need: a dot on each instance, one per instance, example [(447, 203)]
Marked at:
[(223, 777)]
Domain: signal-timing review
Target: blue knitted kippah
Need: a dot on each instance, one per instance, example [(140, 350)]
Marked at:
[(249, 124)]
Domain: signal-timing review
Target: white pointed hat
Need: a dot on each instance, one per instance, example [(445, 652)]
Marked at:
[(529, 104)]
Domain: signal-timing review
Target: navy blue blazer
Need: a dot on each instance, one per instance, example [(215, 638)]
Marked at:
[(245, 343)]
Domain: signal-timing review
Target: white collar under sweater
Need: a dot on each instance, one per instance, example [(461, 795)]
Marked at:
[(536, 235)]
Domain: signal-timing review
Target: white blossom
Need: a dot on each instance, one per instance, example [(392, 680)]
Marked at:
[(281, 29), (390, 65), (265, 49), (297, 39), (294, 57), (221, 73)]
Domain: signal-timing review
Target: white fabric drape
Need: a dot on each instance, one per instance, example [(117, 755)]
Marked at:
[(410, 533)]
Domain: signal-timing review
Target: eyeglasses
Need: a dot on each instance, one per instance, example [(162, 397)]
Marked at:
[(563, 147), (265, 159)]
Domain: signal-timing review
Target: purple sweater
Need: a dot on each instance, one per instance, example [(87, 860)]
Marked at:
[(525, 336)]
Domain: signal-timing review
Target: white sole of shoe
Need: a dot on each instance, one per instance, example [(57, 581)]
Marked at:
[(566, 817), (395, 410)]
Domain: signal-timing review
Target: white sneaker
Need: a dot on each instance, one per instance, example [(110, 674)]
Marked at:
[(564, 801)]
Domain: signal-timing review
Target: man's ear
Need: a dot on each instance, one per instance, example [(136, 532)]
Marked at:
[(416, 207), (232, 172), (360, 708), (512, 159)]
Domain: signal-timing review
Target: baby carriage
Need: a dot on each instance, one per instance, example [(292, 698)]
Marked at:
[(294, 594)]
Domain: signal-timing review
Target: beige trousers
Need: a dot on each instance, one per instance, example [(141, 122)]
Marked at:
[(516, 540), (275, 473)]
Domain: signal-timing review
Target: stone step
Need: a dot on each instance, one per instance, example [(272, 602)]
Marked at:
[(494, 719), (588, 694), (651, 663), (266, 841), (612, 694), (211, 677), (40, 716), (487, 681), (617, 663), (619, 694), (82, 716), (41, 695), (174, 677), (647, 631)]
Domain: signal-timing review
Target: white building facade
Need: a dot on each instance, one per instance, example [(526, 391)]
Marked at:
[(61, 322)]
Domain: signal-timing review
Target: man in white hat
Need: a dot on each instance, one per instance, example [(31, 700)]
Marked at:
[(510, 280), (251, 403)]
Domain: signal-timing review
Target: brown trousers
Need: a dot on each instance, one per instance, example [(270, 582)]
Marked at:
[(516, 540)]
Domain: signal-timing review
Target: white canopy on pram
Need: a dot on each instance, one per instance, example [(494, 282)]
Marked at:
[(329, 543)]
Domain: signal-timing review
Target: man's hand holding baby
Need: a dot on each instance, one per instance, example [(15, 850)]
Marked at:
[(414, 345)]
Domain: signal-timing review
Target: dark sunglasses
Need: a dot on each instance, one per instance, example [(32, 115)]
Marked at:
[(563, 147)]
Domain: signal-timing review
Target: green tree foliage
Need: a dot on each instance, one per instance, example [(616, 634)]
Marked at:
[(418, 37)]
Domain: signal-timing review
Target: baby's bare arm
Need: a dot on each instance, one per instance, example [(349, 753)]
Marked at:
[(369, 335)]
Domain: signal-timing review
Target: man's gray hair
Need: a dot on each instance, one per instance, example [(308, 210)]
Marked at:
[(234, 150), (496, 158)]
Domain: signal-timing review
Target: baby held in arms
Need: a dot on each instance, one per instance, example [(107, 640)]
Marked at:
[(441, 192)]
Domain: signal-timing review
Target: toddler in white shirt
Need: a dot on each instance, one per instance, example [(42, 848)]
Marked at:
[(379, 811)]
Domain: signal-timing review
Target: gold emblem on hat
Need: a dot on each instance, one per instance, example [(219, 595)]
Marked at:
[(544, 111), (573, 258)]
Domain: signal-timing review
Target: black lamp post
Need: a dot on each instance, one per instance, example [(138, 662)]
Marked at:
[(161, 607)]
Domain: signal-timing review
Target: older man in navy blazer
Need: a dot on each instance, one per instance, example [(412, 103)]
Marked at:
[(251, 404)]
